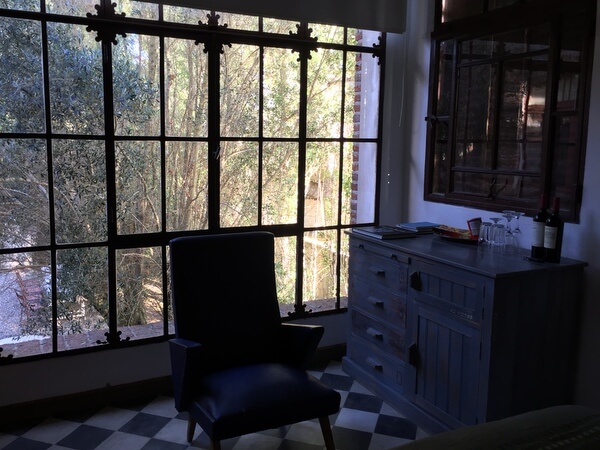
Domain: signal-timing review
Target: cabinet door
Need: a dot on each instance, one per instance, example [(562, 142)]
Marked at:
[(444, 367), (445, 315)]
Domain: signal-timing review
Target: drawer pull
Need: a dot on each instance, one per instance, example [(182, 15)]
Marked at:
[(375, 365), (377, 271), (375, 302), (375, 334)]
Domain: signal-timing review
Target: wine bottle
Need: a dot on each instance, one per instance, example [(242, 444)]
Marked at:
[(553, 234), (537, 230)]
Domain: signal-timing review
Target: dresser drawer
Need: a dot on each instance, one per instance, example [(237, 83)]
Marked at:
[(385, 338), (381, 367), (380, 303), (385, 272)]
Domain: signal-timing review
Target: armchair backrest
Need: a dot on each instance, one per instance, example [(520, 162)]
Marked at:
[(224, 296)]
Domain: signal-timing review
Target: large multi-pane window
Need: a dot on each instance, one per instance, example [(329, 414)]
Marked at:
[(125, 125)]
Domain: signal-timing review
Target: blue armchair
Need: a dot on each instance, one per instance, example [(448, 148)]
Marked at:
[(236, 368)]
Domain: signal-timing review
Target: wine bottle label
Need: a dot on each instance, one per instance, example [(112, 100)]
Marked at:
[(550, 234), (537, 231)]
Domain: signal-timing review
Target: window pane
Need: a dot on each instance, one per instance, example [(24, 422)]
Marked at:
[(565, 167), (138, 9), (239, 184), (325, 75), (361, 109), (21, 84), (187, 186), (82, 290), (366, 38), (520, 156), (238, 21), (320, 265), (25, 296), (570, 65), (344, 271), (523, 92), (189, 16), (25, 5), (240, 87), (140, 292), (440, 164), (504, 44), (138, 187), (279, 26), (72, 7), (446, 54), (136, 86), (280, 183), (24, 203), (186, 88), (475, 116), (507, 187), (327, 33), (79, 190), (281, 91), (285, 273), (360, 175), (321, 184), (76, 92)]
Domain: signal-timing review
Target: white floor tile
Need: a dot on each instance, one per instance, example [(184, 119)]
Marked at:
[(111, 418)]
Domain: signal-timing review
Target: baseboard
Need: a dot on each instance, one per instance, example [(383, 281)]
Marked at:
[(14, 415), (23, 412)]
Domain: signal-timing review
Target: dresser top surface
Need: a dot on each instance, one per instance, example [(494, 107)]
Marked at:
[(468, 256)]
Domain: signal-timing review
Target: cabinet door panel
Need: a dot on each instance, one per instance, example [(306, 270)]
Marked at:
[(446, 371), (458, 293)]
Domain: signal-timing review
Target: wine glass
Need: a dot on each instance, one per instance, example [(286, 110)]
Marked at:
[(485, 235), (508, 215), (494, 228), (517, 230)]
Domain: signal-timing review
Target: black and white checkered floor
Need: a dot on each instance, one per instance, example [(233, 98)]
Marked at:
[(364, 422)]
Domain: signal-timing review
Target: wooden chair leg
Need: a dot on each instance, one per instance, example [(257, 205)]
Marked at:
[(190, 429), (327, 434), (216, 445)]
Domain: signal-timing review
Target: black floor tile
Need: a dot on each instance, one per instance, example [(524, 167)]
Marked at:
[(85, 437), (145, 425), (363, 402), (351, 439), (396, 426)]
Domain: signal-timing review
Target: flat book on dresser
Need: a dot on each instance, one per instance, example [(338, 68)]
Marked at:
[(385, 232)]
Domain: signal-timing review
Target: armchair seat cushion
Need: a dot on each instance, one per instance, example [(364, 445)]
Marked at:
[(244, 399)]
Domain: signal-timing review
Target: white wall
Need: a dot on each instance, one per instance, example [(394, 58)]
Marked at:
[(581, 241)]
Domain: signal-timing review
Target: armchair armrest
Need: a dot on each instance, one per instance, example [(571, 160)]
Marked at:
[(185, 364), (300, 343)]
